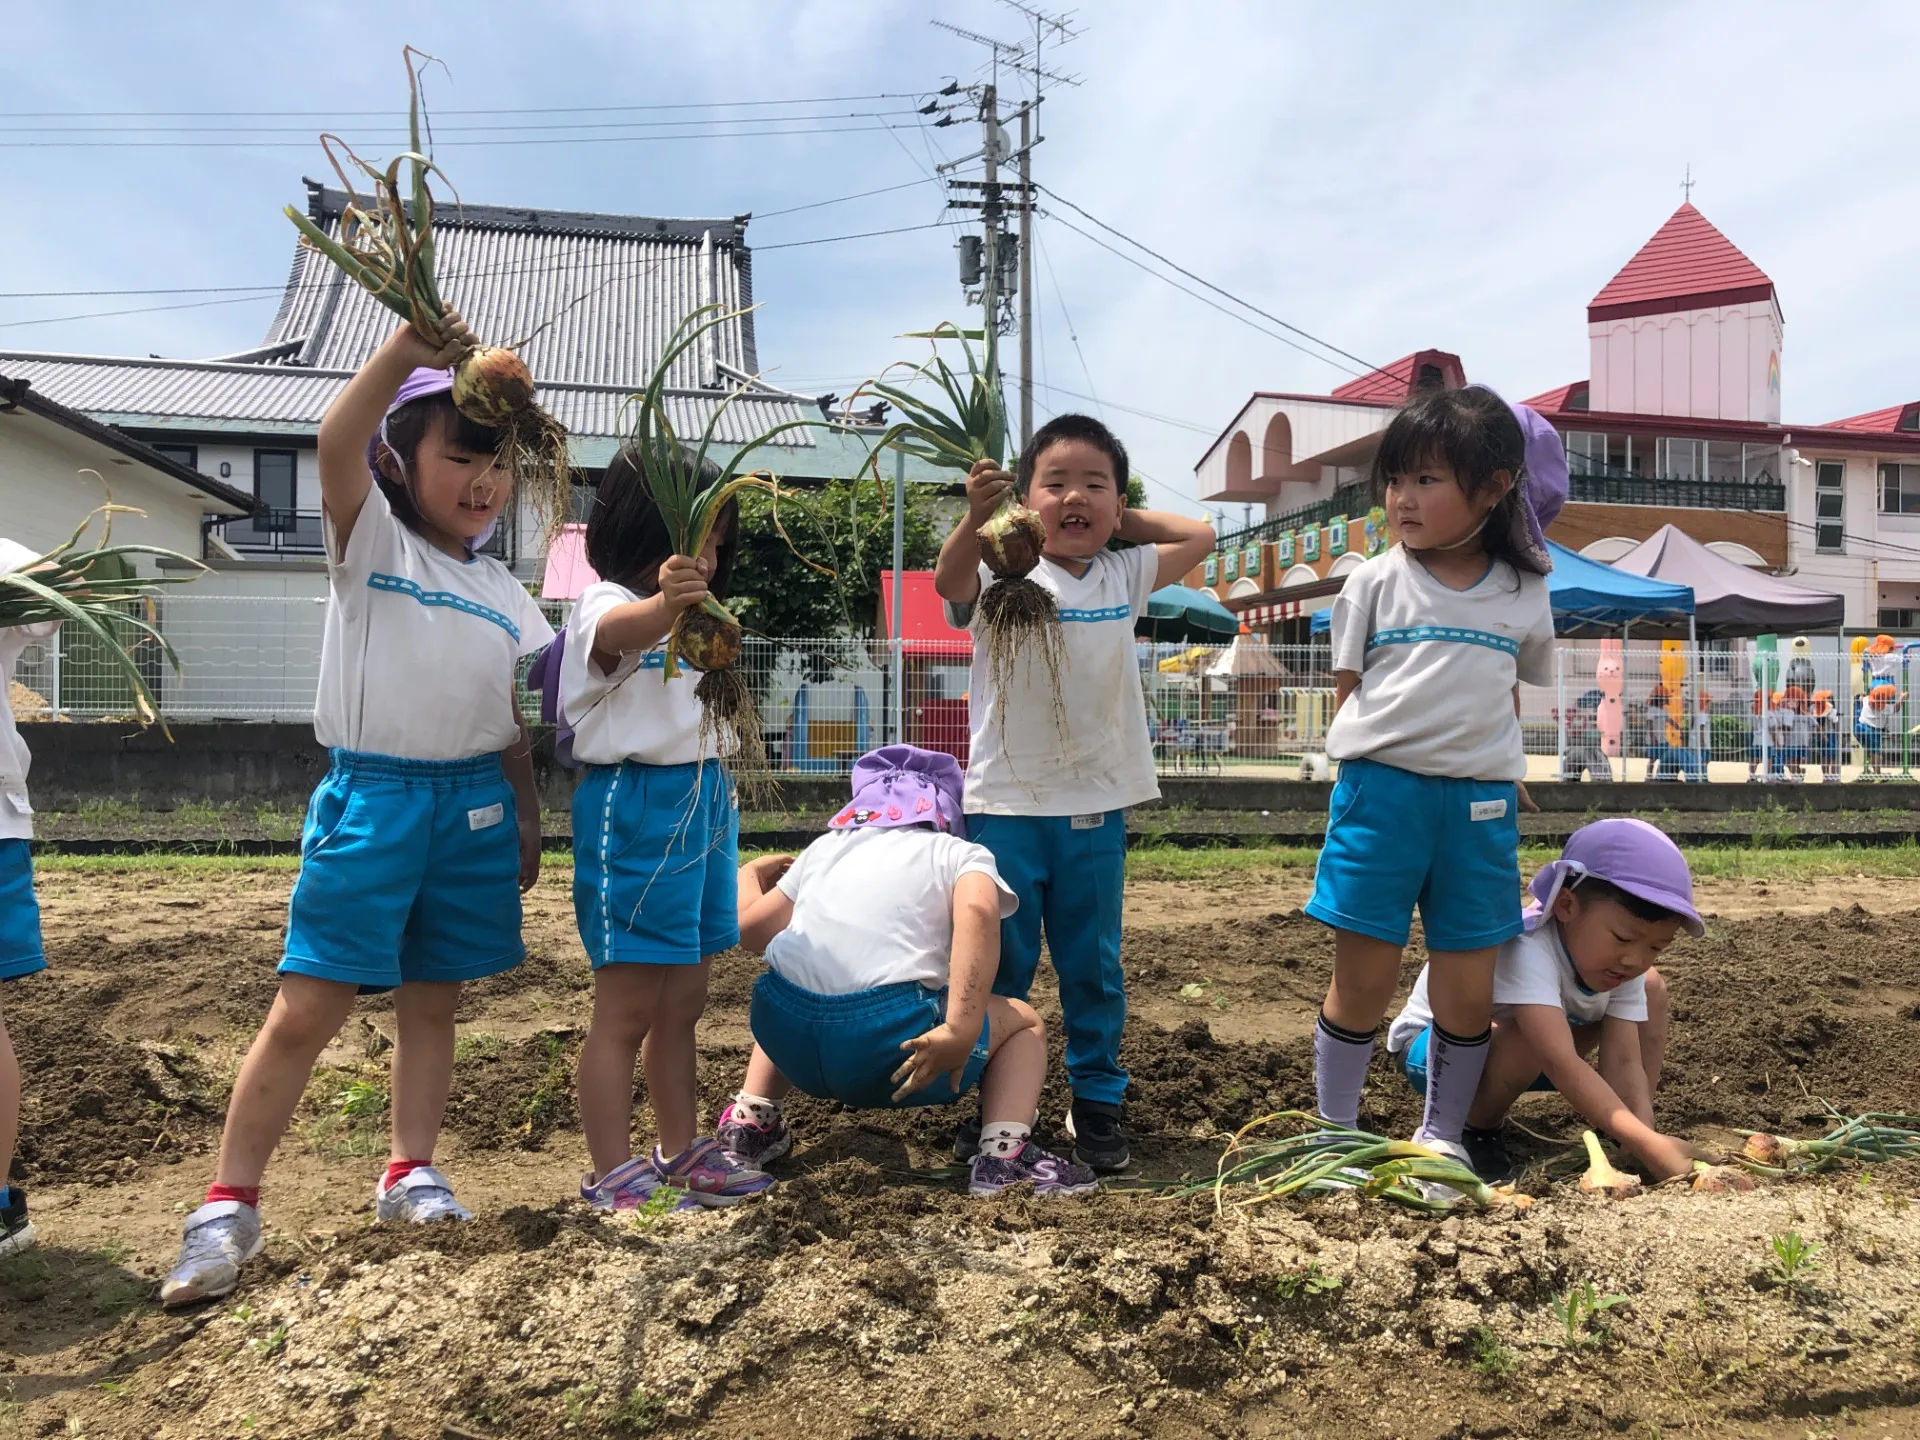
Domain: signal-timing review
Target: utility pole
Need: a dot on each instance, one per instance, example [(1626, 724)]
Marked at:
[(990, 213), (1026, 276)]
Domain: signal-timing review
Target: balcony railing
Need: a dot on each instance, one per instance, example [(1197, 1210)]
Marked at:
[(1589, 485), (1343, 504), (269, 533)]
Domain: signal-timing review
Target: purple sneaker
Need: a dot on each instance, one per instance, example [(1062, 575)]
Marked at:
[(1030, 1165), (626, 1187), (709, 1175), (750, 1142)]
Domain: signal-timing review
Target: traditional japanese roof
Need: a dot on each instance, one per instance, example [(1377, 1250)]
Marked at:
[(1687, 265), (585, 299)]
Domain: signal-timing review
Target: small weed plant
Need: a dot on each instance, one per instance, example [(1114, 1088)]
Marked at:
[(363, 1100), (657, 1211), (1579, 1312), (478, 1046), (640, 1413), (1490, 1359), (1309, 1282), (1791, 1261), (272, 1343)]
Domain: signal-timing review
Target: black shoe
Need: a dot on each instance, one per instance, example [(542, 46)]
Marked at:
[(1098, 1140), (1487, 1154), (966, 1139), (16, 1231)]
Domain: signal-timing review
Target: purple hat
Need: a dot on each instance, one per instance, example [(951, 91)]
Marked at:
[(1543, 484), (421, 382), (904, 785), (1630, 854)]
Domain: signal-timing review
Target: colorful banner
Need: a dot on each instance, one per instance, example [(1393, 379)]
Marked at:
[(1337, 538), (1376, 531), (1210, 572), (1231, 571), (1250, 562), (1310, 545), (1283, 551)]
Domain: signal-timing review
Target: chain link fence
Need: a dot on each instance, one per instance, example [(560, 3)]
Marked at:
[(1808, 712)]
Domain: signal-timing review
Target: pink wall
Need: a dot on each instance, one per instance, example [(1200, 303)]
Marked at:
[(1716, 364)]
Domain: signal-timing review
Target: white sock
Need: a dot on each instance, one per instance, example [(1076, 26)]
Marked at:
[(758, 1108), (1003, 1138)]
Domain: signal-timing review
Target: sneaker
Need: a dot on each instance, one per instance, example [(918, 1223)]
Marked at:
[(16, 1231), (709, 1175), (627, 1187), (966, 1139), (1487, 1154), (419, 1197), (1029, 1165), (1453, 1150), (750, 1142), (1098, 1139), (219, 1239)]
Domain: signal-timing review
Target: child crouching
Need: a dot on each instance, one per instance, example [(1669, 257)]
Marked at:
[(1579, 979), (882, 942)]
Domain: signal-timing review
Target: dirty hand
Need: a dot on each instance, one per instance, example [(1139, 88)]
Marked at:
[(683, 582), (987, 485), (941, 1051), (1666, 1157), (529, 851), (435, 346)]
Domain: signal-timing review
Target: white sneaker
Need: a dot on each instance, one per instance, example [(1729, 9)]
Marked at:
[(219, 1239), (1453, 1150), (419, 1197)]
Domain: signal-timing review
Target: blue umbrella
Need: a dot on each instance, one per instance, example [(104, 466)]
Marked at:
[(1175, 613)]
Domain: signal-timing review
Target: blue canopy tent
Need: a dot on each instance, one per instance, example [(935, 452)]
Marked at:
[(1594, 599), (1175, 613)]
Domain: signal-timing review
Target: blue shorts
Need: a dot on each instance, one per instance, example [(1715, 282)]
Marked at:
[(1871, 740), (1413, 1065), (20, 948), (656, 862), (846, 1047), (409, 870), (1396, 840)]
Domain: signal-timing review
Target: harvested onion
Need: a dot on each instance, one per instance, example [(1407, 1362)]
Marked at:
[(1601, 1178)]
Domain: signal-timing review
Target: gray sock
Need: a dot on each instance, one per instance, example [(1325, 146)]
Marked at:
[(1454, 1067), (1340, 1060)]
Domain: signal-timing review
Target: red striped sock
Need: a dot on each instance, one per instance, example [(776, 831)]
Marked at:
[(245, 1194), (398, 1170)]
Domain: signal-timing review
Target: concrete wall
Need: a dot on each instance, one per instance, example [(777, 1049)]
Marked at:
[(1269, 454)]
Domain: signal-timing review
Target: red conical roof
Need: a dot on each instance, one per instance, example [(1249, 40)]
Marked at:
[(1686, 265)]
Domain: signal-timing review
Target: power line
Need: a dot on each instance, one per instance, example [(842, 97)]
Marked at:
[(836, 239), (451, 144), (1366, 365), (490, 110), (1211, 304), (445, 129), (842, 199)]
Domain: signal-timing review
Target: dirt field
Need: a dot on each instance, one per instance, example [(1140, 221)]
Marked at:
[(868, 1297)]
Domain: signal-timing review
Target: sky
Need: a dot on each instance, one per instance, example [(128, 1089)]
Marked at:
[(1386, 177)]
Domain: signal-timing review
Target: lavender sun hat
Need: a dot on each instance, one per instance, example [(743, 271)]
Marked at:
[(1543, 484), (900, 785), (420, 383), (1630, 854)]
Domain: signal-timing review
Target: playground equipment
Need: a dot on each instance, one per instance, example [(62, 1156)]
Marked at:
[(826, 746), (1610, 675)]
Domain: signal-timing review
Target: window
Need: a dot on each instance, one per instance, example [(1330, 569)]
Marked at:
[(275, 488), (1586, 451), (1899, 619), (1680, 459), (1829, 507), (1900, 489), (187, 455)]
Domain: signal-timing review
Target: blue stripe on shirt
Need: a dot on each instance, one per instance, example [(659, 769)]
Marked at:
[(1446, 634), (397, 585), (1112, 612)]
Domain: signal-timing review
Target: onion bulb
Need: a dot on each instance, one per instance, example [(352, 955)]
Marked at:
[(491, 385), (1768, 1150), (1601, 1178), (708, 641), (1011, 542), (1716, 1179)]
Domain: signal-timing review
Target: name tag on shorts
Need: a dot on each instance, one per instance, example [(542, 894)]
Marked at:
[(1087, 822), (18, 799), (493, 814), (1479, 810)]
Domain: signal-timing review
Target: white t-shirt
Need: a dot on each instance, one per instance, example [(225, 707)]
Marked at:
[(420, 650), (1104, 760), (635, 713), (1530, 970), (875, 907), (1437, 667), (1875, 717), (16, 812)]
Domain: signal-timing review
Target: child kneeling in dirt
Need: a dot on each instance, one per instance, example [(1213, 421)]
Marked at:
[(882, 941), (1580, 977)]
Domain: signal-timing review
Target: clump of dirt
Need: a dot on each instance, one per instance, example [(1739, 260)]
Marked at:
[(515, 1094), (97, 1108)]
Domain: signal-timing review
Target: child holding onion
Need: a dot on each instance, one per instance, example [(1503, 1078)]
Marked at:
[(426, 828), (882, 941), (1430, 642), (1052, 772), (1580, 980), (21, 953), (656, 829)]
